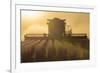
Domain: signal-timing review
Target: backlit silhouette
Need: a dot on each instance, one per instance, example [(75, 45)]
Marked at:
[(58, 45)]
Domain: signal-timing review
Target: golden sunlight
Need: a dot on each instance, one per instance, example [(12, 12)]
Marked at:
[(35, 22)]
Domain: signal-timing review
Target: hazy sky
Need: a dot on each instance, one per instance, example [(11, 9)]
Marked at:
[(35, 22)]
